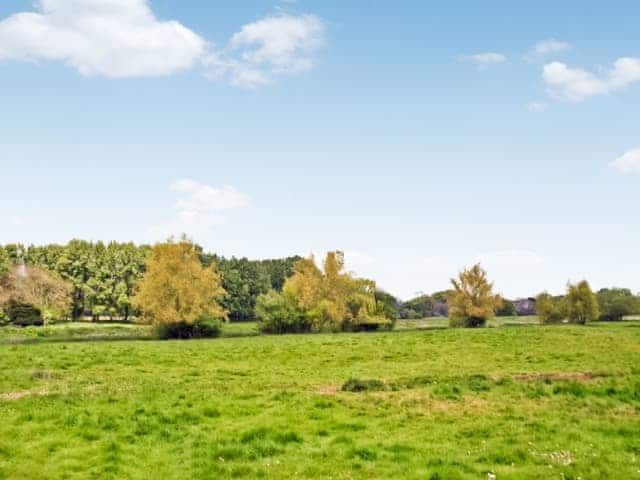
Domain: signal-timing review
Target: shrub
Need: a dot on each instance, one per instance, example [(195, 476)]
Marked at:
[(204, 327), (278, 313), (22, 314), (508, 309), (4, 318)]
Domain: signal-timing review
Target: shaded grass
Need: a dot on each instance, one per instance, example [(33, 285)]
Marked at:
[(525, 403)]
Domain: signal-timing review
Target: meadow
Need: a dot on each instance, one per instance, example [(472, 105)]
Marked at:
[(530, 402)]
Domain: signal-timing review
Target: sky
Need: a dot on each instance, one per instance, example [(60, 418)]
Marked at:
[(417, 137)]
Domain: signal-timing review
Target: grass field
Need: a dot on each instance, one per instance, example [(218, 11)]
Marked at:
[(558, 402)]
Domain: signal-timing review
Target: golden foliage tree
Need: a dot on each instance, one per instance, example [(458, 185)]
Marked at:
[(39, 288), (331, 298), (472, 301), (176, 287)]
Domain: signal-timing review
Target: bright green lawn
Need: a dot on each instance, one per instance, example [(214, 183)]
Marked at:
[(526, 403)]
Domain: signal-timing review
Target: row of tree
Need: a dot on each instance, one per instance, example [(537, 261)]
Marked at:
[(582, 305), (177, 281), (102, 277)]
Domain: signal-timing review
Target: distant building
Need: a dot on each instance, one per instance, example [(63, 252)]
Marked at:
[(525, 306)]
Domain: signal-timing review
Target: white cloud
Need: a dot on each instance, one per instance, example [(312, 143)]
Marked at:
[(627, 163), (199, 208), (575, 84), (123, 38), (113, 38), (200, 200), (272, 46), (551, 45), (537, 107), (625, 72), (284, 42), (485, 58)]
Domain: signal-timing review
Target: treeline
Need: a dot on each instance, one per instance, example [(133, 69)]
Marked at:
[(102, 280), (580, 303), (102, 276)]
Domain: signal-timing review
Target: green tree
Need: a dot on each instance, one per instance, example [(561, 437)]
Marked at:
[(177, 288), (390, 304), (581, 303), (74, 266), (279, 313), (549, 309), (616, 303), (244, 281), (472, 301), (508, 309)]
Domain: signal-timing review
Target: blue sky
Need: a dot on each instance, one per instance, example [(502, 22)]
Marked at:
[(418, 137)]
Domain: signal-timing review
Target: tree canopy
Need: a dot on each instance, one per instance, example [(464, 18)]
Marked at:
[(616, 303), (472, 301), (177, 288), (549, 309), (581, 303), (327, 299)]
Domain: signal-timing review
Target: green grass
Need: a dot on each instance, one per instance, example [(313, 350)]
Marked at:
[(524, 403), (442, 322), (87, 331)]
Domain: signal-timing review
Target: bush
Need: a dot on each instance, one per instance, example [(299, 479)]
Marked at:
[(467, 322), (4, 318), (23, 315), (549, 309), (508, 309), (204, 327), (278, 313)]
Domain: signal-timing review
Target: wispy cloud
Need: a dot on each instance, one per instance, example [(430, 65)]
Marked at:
[(199, 207), (537, 107), (575, 84), (629, 163), (549, 46), (484, 58), (276, 45)]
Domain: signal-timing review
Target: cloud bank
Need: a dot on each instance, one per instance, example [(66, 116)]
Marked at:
[(124, 39)]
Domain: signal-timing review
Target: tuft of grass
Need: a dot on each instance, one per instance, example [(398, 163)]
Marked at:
[(359, 385)]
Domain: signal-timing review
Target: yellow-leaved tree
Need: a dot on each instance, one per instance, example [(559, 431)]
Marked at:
[(177, 288), (332, 299), (472, 301)]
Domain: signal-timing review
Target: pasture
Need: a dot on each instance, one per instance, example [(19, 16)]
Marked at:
[(553, 402)]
